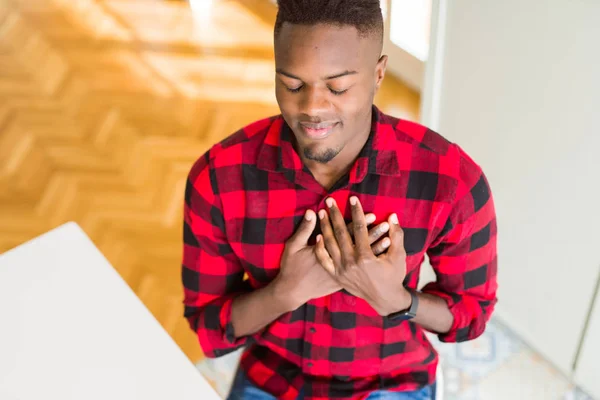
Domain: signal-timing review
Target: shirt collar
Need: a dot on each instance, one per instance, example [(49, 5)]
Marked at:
[(378, 156)]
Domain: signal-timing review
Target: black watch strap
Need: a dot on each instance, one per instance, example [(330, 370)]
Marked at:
[(404, 315)]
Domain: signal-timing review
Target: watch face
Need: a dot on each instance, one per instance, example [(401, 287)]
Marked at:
[(406, 314)]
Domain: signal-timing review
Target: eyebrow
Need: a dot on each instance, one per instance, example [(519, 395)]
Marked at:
[(282, 72)]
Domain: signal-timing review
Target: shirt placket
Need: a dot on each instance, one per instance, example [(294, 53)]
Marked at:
[(319, 315)]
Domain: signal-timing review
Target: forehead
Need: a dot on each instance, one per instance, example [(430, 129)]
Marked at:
[(321, 48)]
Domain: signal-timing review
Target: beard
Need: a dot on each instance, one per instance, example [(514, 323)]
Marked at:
[(322, 157)]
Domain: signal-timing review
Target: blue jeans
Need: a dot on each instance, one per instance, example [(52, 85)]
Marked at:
[(243, 389)]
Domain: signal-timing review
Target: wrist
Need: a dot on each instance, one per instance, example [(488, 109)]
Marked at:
[(400, 301)]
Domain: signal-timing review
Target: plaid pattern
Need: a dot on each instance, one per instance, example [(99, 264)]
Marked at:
[(245, 197)]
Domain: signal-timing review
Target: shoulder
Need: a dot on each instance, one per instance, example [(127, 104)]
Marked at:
[(431, 150), (240, 147), (416, 134)]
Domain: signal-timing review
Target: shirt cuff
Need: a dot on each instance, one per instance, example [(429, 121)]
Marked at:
[(227, 326), (460, 329)]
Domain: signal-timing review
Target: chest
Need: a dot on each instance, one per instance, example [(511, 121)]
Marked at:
[(259, 222)]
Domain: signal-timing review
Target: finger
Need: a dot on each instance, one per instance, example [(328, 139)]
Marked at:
[(323, 256), (339, 229), (300, 238), (330, 243), (361, 234), (381, 246), (396, 249), (377, 233), (370, 218)]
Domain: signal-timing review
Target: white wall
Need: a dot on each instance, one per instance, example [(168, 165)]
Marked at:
[(520, 92)]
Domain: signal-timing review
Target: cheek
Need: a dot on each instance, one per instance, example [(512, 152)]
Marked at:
[(354, 106), (287, 103)]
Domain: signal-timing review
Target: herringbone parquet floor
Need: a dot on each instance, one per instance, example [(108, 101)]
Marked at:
[(104, 106)]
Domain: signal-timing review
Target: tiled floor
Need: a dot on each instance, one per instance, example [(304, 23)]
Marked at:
[(499, 366), (496, 366)]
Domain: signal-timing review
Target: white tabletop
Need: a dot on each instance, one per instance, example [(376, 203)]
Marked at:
[(71, 328)]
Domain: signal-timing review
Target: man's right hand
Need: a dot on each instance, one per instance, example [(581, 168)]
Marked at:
[(301, 278)]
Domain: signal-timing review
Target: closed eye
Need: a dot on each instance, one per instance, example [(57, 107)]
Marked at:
[(338, 92), (334, 92)]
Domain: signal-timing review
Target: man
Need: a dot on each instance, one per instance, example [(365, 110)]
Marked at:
[(269, 263)]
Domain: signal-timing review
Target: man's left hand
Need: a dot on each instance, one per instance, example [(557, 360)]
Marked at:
[(376, 279)]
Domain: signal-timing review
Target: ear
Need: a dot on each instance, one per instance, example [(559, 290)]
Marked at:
[(380, 71)]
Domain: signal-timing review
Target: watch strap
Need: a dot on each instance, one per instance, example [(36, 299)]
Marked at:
[(410, 313)]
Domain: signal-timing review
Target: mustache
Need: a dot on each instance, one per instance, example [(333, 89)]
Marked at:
[(318, 124)]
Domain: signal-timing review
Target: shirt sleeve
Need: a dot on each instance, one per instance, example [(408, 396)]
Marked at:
[(464, 259), (212, 274)]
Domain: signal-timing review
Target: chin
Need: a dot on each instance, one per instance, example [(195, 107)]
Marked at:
[(321, 154)]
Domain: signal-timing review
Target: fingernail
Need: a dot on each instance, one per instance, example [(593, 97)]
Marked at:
[(353, 200), (318, 238), (385, 242), (394, 219), (371, 218), (330, 202), (322, 214), (385, 227)]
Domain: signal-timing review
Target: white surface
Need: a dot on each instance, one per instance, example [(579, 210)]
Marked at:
[(401, 63), (520, 93), (72, 329), (587, 373), (433, 75), (409, 26)]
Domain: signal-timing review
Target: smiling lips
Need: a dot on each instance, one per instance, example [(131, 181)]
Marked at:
[(317, 131)]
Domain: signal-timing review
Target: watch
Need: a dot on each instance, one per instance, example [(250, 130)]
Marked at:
[(410, 313)]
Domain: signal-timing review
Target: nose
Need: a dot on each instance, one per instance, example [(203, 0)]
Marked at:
[(314, 101)]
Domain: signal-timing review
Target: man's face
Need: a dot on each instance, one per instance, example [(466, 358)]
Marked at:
[(327, 78)]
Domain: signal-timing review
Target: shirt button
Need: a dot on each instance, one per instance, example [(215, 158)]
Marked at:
[(310, 365), (312, 330), (350, 300)]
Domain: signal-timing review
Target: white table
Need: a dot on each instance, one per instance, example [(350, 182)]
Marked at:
[(71, 328)]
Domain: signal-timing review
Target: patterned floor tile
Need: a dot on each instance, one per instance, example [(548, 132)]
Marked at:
[(577, 394), (524, 376), (466, 363)]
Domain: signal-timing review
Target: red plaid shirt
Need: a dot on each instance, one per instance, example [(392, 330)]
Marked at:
[(245, 197)]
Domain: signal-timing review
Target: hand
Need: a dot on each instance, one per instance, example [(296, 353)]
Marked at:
[(376, 279), (374, 234), (300, 277)]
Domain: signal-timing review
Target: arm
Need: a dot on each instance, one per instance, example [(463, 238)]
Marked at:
[(465, 261), (299, 280), (377, 279), (220, 306), (433, 313), (251, 312), (459, 304)]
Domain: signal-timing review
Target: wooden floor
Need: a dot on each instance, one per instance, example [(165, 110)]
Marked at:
[(104, 106)]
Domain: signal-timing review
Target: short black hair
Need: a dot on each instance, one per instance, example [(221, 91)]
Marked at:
[(364, 15)]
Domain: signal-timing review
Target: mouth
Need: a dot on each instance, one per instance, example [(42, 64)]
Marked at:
[(317, 131)]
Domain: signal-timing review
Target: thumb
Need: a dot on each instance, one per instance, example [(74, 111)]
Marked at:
[(302, 234), (396, 233)]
